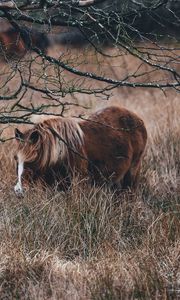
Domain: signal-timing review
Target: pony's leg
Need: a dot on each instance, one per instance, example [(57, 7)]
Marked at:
[(79, 172), (122, 179), (131, 177), (136, 175), (127, 181)]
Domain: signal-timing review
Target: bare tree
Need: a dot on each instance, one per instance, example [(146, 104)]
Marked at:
[(146, 30)]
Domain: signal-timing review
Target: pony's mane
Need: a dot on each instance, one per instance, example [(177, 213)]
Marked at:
[(59, 137)]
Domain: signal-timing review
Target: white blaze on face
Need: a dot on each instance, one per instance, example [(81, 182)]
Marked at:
[(18, 187)]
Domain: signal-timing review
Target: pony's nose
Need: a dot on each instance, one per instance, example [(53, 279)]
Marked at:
[(18, 190)]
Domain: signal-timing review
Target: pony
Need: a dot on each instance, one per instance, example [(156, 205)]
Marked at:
[(15, 42), (106, 147)]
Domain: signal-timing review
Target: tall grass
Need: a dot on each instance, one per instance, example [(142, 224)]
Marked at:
[(91, 244)]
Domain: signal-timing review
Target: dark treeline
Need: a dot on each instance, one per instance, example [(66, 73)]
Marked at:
[(111, 21), (104, 21)]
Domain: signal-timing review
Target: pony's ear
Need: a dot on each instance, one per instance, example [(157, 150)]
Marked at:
[(18, 135), (34, 137)]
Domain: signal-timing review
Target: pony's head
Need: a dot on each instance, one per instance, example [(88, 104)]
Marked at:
[(27, 156), (43, 147)]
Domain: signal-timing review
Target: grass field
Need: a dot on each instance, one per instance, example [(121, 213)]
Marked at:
[(89, 243)]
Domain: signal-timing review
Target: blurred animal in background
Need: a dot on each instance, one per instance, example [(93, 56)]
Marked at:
[(106, 148), (17, 43)]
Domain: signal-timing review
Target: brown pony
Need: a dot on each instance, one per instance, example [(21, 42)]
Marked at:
[(106, 147), (17, 43)]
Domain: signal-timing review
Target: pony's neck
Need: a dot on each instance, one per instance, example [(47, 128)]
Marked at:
[(63, 136)]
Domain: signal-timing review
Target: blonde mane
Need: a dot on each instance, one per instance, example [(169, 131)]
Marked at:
[(60, 136)]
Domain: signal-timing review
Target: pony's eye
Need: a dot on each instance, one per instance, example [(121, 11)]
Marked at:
[(15, 157)]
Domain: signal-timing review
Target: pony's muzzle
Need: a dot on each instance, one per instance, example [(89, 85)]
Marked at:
[(18, 189)]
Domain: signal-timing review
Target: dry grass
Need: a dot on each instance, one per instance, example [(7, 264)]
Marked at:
[(90, 244)]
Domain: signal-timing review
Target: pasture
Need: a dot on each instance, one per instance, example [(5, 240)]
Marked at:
[(88, 243)]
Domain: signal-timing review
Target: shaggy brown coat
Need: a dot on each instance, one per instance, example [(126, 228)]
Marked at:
[(106, 147)]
